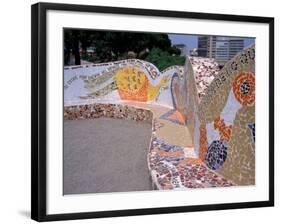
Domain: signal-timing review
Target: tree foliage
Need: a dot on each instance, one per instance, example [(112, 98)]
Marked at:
[(111, 46), (162, 59)]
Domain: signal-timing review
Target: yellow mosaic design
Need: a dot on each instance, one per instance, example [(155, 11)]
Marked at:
[(133, 84)]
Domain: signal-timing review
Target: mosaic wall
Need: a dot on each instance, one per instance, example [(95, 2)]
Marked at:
[(226, 117), (203, 118), (204, 71), (174, 166), (185, 95), (131, 79)]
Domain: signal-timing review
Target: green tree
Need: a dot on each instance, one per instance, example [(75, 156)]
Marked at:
[(111, 46), (163, 59)]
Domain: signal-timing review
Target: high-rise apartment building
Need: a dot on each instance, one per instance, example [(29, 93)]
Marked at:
[(220, 48)]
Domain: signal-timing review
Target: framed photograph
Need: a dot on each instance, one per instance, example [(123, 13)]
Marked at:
[(141, 111)]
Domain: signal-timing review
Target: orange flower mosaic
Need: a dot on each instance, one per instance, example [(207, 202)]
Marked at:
[(244, 88), (225, 131)]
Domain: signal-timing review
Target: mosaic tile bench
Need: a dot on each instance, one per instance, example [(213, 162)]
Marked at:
[(171, 165), (203, 118)]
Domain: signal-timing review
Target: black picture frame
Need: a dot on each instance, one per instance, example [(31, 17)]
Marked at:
[(39, 108)]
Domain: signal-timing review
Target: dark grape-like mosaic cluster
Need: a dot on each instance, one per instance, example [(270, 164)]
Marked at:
[(216, 155)]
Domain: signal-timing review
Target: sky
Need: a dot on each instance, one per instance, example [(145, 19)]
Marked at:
[(191, 40)]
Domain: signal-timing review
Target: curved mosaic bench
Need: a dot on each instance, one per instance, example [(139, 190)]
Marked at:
[(201, 137), (171, 165)]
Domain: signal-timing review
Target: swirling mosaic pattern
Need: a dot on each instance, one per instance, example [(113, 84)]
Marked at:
[(244, 88)]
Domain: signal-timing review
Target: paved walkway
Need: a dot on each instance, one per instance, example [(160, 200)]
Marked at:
[(115, 162)]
